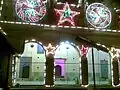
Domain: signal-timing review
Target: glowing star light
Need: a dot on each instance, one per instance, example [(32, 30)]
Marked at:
[(50, 49), (66, 15), (114, 52), (83, 50)]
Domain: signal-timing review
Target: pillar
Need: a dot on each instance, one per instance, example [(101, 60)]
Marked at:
[(84, 70), (49, 80), (115, 71), (5, 70)]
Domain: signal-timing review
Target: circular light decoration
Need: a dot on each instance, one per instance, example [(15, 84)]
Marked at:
[(98, 15), (30, 10)]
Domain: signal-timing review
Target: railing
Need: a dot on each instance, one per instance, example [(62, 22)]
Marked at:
[(102, 74), (68, 74), (30, 73)]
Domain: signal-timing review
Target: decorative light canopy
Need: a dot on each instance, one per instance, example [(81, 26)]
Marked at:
[(83, 50), (66, 15), (98, 15), (30, 10)]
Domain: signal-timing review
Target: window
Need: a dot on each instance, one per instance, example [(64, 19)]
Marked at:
[(25, 64), (104, 69), (25, 72), (40, 49), (59, 67), (58, 70)]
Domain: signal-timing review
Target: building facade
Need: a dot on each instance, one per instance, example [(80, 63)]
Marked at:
[(31, 67), (56, 23)]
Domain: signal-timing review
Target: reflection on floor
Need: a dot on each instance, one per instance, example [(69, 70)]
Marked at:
[(30, 82), (42, 82)]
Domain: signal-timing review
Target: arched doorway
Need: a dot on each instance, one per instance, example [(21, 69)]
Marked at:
[(58, 71), (25, 72), (30, 65), (67, 63), (102, 64)]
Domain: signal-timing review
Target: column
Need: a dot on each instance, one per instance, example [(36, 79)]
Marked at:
[(49, 80)]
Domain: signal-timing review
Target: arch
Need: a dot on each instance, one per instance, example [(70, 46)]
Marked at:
[(73, 45), (37, 43), (29, 62), (67, 55), (40, 48), (102, 66)]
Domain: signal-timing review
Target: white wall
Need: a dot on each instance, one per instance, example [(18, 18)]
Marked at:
[(37, 63), (72, 62), (98, 55)]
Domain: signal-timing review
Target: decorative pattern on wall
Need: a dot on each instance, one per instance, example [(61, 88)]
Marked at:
[(30, 10), (98, 15)]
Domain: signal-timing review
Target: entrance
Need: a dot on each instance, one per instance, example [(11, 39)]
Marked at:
[(102, 64), (67, 65), (30, 65)]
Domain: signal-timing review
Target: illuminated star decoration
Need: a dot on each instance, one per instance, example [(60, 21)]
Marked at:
[(66, 15), (84, 50), (50, 49), (114, 52)]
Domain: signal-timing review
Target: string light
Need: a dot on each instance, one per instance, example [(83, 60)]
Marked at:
[(85, 85), (49, 47), (113, 54), (59, 3), (44, 72), (85, 27), (1, 30), (60, 26), (47, 85), (73, 27), (67, 42), (65, 27), (33, 40), (20, 55)]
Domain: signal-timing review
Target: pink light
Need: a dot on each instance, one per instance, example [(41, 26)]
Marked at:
[(68, 19), (84, 50), (61, 62)]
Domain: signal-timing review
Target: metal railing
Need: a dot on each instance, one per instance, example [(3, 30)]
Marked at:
[(70, 73)]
